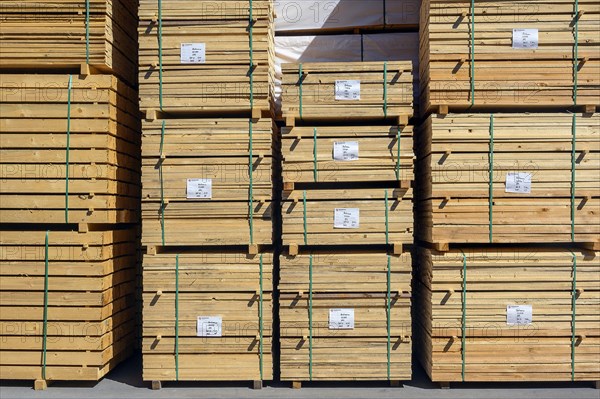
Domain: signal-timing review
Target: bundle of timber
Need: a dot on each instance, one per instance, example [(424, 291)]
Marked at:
[(509, 314), (346, 154), (68, 303), (488, 55), (206, 56), (345, 316), (363, 91), (70, 150), (505, 178), (207, 182), (40, 35), (207, 316), (347, 216)]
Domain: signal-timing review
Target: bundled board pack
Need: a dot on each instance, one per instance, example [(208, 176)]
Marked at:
[(508, 314), (501, 55), (345, 316), (505, 178), (52, 34)]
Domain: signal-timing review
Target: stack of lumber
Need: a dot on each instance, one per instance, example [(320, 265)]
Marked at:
[(202, 56), (316, 154), (509, 314), (39, 35), (335, 320), (77, 147), (509, 54), (207, 316), (83, 320), (557, 152), (350, 91)]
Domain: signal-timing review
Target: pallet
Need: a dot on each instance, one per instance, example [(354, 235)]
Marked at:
[(224, 284), (375, 159), (222, 83), (454, 172), (309, 92), (50, 36), (505, 78), (495, 350)]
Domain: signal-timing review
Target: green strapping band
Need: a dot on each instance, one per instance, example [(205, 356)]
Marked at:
[(576, 52), (315, 171), (177, 318), (160, 56), (472, 52), (573, 316), (251, 39), (87, 31), (45, 325), (463, 338), (573, 172), (160, 175), (304, 217), (260, 314), (385, 95), (398, 156), (387, 219), (251, 177), (491, 179), (300, 82), (310, 311), (389, 317), (68, 147)]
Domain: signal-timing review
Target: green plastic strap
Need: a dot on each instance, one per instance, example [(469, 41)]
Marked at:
[(160, 175), (463, 337), (177, 318), (251, 178), (576, 53), (160, 56), (387, 220), (251, 39), (310, 312), (385, 90), (573, 172), (68, 148), (304, 217), (260, 315), (315, 168), (45, 325), (491, 179), (398, 155), (389, 317), (573, 315), (87, 31), (472, 52), (300, 82)]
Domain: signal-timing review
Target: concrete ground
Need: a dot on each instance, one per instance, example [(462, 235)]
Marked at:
[(125, 383)]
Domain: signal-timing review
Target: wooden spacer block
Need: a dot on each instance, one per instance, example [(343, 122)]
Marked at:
[(589, 108), (253, 249), (397, 248), (159, 293), (83, 228), (403, 120), (158, 337), (84, 69), (293, 250), (257, 384), (444, 385), (150, 115), (442, 110), (256, 113), (290, 120), (395, 383), (296, 385), (151, 250), (300, 294), (156, 385), (441, 246), (450, 292), (40, 385), (288, 186)]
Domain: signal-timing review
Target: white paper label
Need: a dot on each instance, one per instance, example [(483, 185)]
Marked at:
[(199, 188), (525, 38), (519, 315), (346, 218), (518, 182), (347, 89), (345, 150), (209, 326), (193, 53), (341, 319)]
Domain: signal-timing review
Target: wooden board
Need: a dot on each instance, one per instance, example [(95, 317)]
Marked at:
[(222, 83), (496, 278), (506, 77), (455, 153), (51, 35), (378, 149), (382, 95)]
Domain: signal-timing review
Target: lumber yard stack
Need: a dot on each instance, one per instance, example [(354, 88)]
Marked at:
[(205, 89), (347, 222), (508, 191), (70, 189)]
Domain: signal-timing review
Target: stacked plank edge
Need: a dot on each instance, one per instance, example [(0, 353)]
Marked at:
[(207, 207), (70, 189), (507, 268)]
